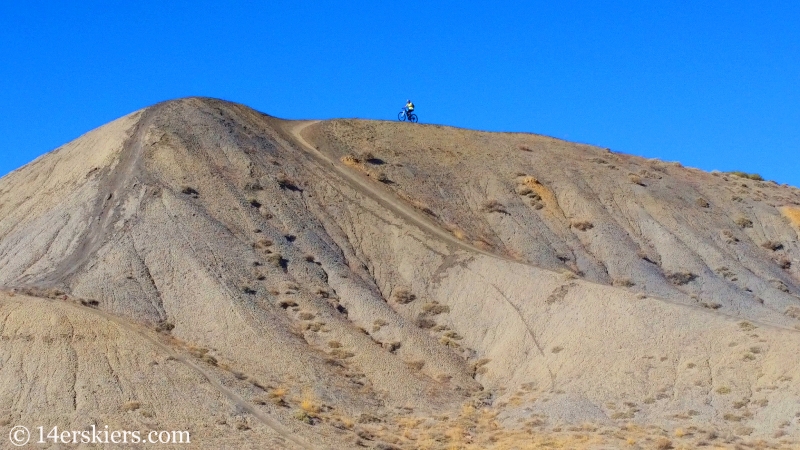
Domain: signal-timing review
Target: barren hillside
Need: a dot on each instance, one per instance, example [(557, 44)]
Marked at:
[(199, 265)]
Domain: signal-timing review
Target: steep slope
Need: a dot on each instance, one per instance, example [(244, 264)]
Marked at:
[(347, 282)]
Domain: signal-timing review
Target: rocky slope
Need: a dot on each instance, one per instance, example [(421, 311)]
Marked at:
[(199, 265)]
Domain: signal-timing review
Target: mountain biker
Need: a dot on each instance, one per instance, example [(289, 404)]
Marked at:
[(409, 108)]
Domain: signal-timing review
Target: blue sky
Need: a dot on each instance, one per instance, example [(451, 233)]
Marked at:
[(713, 84)]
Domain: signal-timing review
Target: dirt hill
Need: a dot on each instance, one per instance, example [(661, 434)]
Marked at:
[(265, 283)]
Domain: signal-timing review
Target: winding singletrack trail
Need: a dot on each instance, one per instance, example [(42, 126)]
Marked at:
[(385, 198), (388, 200)]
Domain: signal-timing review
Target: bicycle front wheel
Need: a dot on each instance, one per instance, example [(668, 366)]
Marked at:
[(401, 116), (413, 118)]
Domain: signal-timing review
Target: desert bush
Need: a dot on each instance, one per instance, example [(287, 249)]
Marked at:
[(711, 305), (680, 278), (164, 326), (744, 222), (403, 296), (635, 179), (701, 202), (749, 176), (252, 201), (248, 290), (131, 406), (416, 365), (524, 148), (493, 206), (285, 182), (523, 190), (277, 260), (772, 245), (262, 244), (663, 443), (253, 186), (623, 282), (556, 349), (435, 308), (350, 160), (581, 225), (305, 315), (425, 323), (189, 191), (793, 312)]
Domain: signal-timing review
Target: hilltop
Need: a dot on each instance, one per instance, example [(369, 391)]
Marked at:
[(260, 282)]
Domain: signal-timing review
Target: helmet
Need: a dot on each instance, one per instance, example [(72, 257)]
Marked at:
[(408, 101)]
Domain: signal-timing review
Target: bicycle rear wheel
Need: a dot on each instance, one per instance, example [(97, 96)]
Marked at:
[(401, 116), (413, 118)]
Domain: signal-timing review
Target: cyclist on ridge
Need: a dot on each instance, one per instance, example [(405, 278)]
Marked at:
[(409, 108)]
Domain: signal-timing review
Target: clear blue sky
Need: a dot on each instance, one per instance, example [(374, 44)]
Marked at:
[(713, 84)]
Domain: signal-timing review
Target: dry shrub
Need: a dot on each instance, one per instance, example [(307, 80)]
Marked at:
[(680, 278), (416, 364), (635, 179), (663, 444), (530, 182), (523, 190), (131, 406), (792, 213), (263, 244), (624, 282), (723, 390), (581, 225), (701, 202), (189, 191), (744, 222), (493, 206), (435, 308), (403, 296), (793, 312), (350, 160), (524, 148), (772, 245)]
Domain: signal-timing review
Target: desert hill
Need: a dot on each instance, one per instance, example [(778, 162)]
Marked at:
[(341, 284)]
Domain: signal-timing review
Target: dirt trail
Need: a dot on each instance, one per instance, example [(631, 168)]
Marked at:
[(389, 200), (232, 396), (385, 198)]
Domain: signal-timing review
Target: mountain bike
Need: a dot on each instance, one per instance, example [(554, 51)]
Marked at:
[(405, 115)]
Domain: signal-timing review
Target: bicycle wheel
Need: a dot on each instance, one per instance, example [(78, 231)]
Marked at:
[(401, 116), (413, 118)]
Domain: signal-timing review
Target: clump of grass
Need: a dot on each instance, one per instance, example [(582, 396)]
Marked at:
[(701, 202), (557, 349), (723, 390), (581, 225), (663, 443), (164, 326), (746, 326), (793, 312), (403, 296), (635, 179), (277, 260), (350, 160), (416, 364), (252, 201), (188, 190), (493, 206), (749, 176), (524, 148), (131, 406), (744, 222), (434, 308), (772, 245), (680, 278), (286, 182), (623, 282), (248, 290)]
